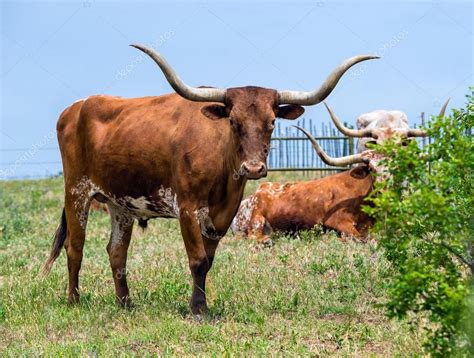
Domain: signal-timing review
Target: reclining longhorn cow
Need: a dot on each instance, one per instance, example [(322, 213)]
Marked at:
[(334, 201)]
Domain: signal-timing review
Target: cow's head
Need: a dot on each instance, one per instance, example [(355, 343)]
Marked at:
[(373, 128), (385, 124), (251, 111)]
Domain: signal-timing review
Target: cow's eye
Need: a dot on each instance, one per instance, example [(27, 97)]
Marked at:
[(272, 124)]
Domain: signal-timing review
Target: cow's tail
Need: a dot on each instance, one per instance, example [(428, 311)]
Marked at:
[(58, 243)]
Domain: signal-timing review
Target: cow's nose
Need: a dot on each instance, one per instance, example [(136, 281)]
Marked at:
[(254, 170)]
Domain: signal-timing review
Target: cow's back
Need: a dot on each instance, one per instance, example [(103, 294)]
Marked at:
[(139, 144)]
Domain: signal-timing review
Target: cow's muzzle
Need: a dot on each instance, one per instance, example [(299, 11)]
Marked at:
[(253, 169)]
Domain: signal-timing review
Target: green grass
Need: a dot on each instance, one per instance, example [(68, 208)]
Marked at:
[(315, 296)]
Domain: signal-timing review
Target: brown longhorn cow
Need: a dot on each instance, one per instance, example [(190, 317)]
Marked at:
[(334, 201), (185, 155)]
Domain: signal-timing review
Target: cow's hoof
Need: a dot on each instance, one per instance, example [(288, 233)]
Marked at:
[(73, 299), (126, 303), (268, 243), (198, 318), (199, 308)]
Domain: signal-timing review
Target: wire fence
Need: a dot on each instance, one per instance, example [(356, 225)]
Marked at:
[(290, 150)]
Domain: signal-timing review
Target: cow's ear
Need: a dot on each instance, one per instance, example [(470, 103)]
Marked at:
[(214, 111), (291, 111), (360, 171)]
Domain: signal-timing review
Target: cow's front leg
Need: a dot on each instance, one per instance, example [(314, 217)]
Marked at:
[(199, 260), (260, 230)]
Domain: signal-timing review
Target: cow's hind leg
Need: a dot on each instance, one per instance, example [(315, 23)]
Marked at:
[(122, 225), (76, 211)]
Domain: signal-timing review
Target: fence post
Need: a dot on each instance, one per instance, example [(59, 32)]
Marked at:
[(350, 141), (423, 124), (351, 145)]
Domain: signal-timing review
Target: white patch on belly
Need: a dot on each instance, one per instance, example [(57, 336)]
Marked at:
[(170, 202), (164, 204), (144, 207), (140, 206)]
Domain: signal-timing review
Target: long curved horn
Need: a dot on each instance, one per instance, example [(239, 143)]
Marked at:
[(347, 131), (416, 133), (422, 133), (188, 92), (337, 162), (443, 108), (320, 94)]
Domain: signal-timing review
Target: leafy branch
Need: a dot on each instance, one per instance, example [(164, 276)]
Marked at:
[(425, 224)]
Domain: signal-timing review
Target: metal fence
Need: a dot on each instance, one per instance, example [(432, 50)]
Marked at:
[(291, 151)]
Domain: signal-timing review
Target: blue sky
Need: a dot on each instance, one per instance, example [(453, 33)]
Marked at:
[(53, 53)]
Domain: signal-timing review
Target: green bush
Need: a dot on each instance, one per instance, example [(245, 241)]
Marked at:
[(424, 219)]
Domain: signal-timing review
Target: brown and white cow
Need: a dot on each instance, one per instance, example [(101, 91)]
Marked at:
[(185, 155), (334, 201)]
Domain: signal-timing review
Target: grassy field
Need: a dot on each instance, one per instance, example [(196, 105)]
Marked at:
[(315, 296)]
